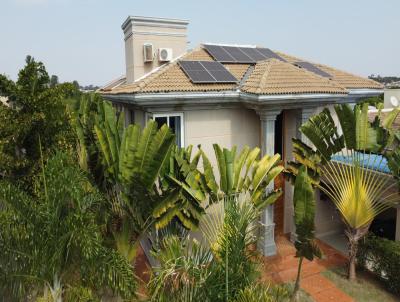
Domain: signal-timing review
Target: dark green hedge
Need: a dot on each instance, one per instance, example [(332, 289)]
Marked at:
[(382, 257)]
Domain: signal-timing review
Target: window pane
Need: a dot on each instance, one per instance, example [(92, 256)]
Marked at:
[(175, 125), (161, 120)]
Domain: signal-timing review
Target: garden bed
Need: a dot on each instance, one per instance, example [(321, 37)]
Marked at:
[(365, 289)]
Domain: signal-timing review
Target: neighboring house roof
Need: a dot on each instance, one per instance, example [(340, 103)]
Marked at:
[(384, 112), (267, 77)]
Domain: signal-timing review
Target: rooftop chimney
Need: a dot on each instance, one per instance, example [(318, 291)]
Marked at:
[(151, 42)]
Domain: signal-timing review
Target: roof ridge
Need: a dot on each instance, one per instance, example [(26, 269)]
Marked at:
[(264, 77)]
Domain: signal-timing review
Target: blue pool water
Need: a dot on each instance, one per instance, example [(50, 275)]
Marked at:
[(371, 161)]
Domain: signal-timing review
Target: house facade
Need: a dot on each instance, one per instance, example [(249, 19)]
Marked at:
[(231, 95)]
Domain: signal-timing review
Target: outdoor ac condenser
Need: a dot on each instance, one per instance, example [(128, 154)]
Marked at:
[(165, 54)]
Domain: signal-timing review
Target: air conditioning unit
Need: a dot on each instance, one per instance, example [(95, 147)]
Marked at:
[(165, 54), (148, 53)]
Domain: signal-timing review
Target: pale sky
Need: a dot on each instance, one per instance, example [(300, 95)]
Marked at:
[(82, 39)]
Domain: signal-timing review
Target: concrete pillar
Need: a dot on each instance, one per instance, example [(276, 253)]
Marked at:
[(306, 113), (268, 118), (398, 225)]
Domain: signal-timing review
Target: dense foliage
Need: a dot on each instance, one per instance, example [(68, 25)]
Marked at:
[(382, 257), (52, 239), (35, 110), (224, 269)]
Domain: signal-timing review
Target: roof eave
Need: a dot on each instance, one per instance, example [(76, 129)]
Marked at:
[(154, 99)]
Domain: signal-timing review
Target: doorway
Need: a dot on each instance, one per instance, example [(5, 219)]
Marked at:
[(279, 206)]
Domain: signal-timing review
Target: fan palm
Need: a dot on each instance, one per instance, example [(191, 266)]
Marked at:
[(53, 239), (359, 193)]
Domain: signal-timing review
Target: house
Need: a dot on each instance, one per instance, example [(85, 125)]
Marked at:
[(230, 95)]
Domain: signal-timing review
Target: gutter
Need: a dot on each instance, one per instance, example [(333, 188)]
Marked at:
[(181, 98)]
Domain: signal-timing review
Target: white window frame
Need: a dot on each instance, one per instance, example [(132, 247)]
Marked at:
[(170, 114)]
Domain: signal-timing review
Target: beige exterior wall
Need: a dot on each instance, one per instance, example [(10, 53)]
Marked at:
[(226, 127), (388, 93), (161, 33)]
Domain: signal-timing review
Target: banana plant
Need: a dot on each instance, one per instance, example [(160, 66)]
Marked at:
[(242, 173), (149, 180), (182, 193), (359, 193), (304, 214)]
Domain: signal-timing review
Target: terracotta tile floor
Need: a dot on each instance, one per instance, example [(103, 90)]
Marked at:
[(283, 268)]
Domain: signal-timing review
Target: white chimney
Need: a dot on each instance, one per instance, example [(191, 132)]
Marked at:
[(150, 42)]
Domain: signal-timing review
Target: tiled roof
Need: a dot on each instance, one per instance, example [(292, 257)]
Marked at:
[(171, 78), (345, 79), (268, 77), (276, 77)]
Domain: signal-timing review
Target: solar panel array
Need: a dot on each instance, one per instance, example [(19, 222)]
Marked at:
[(245, 55), (206, 72), (312, 68)]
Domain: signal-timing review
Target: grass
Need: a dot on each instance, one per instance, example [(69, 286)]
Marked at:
[(303, 296), (365, 289)]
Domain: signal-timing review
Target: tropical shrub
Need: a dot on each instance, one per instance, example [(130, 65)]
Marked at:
[(219, 269), (52, 239), (261, 292), (358, 192), (382, 257)]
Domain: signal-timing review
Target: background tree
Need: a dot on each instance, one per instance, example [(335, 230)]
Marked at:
[(53, 81), (37, 110)]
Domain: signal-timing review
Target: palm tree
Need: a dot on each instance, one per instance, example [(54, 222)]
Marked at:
[(53, 239), (304, 214), (358, 191)]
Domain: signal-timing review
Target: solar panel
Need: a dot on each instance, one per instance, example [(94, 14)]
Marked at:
[(219, 72), (269, 54), (238, 54), (312, 68), (196, 72), (206, 72), (219, 54), (245, 55), (253, 53)]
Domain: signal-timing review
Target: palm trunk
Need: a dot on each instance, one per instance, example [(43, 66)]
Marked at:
[(297, 284), (354, 235), (352, 259)]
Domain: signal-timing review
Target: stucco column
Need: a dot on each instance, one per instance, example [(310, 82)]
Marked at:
[(268, 118), (306, 113), (398, 225)]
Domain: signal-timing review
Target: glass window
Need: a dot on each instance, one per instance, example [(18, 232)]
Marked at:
[(175, 122)]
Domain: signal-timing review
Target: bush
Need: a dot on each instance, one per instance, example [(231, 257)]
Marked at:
[(382, 257)]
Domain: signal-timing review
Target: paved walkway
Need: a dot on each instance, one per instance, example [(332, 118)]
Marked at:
[(283, 268)]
